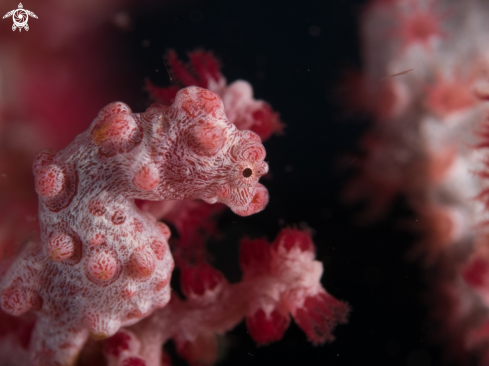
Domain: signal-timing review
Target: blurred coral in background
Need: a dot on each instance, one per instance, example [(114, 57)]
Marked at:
[(425, 83)]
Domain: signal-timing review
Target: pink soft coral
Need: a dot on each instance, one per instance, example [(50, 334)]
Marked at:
[(278, 280)]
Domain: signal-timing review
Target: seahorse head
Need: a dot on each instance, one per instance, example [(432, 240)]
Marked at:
[(209, 158)]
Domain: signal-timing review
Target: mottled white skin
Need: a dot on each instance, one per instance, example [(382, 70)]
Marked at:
[(239, 105), (186, 151)]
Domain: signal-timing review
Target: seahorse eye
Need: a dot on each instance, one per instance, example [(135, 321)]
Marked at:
[(247, 173)]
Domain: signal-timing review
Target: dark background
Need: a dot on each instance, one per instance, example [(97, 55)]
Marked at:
[(294, 54)]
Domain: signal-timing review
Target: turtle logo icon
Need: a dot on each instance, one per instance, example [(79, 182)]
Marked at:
[(20, 17)]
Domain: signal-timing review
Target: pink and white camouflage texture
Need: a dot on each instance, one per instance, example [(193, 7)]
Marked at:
[(194, 220), (426, 85), (102, 263)]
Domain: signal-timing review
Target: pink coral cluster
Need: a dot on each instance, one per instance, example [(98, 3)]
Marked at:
[(278, 280), (429, 86)]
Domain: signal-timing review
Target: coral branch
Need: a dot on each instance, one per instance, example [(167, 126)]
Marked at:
[(278, 280)]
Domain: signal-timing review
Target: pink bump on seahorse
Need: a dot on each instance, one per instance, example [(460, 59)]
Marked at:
[(102, 263)]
